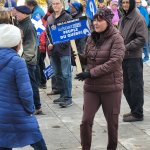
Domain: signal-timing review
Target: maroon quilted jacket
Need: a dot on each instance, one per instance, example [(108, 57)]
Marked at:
[(103, 56)]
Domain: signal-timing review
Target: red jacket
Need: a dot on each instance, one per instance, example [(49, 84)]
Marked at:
[(43, 46)]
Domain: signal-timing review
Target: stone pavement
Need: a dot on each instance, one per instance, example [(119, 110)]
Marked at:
[(60, 126)]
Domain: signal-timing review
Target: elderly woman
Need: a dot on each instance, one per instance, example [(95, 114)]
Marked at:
[(103, 56), (116, 12), (18, 125)]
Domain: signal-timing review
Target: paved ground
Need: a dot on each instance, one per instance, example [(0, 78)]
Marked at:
[(60, 126)]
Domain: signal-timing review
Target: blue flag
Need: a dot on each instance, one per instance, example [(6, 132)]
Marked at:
[(49, 72), (91, 9), (38, 24), (70, 30), (9, 3)]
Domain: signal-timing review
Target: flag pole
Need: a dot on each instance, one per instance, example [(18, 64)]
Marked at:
[(77, 60)]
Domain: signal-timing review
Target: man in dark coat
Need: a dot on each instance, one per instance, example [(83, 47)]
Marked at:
[(37, 12), (134, 32), (29, 50), (61, 56)]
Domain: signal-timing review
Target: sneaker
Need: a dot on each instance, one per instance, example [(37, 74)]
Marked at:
[(132, 118), (59, 100), (66, 103), (127, 114), (39, 112)]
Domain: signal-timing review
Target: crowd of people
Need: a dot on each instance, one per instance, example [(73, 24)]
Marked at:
[(111, 57)]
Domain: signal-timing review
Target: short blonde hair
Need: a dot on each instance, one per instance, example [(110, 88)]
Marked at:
[(62, 1), (5, 17)]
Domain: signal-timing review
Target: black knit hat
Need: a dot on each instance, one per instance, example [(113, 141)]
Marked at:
[(23, 9), (105, 13)]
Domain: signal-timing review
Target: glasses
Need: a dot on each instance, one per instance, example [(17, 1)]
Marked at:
[(55, 3), (125, 2)]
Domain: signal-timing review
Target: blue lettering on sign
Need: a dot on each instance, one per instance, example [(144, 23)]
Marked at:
[(70, 30)]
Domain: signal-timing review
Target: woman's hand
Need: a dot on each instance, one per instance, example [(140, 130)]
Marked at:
[(82, 76)]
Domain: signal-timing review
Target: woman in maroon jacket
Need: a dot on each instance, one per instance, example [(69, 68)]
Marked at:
[(103, 56)]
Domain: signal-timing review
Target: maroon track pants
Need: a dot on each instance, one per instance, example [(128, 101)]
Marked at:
[(111, 108)]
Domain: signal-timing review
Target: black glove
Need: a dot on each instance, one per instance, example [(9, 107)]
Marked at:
[(73, 54), (82, 76), (73, 57)]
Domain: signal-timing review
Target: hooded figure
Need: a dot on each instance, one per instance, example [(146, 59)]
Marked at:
[(134, 31), (132, 6), (76, 11)]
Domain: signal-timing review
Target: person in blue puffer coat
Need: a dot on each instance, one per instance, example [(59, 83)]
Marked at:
[(18, 125)]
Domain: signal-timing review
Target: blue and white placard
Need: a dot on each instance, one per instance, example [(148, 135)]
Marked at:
[(49, 72), (70, 30)]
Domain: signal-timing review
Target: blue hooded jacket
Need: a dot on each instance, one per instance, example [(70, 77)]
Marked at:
[(37, 10), (144, 13), (18, 125)]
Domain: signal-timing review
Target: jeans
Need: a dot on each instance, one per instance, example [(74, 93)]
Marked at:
[(146, 52), (134, 85), (62, 67), (36, 95), (40, 145), (55, 85)]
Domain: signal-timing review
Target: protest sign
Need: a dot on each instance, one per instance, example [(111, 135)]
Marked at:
[(49, 72), (69, 30)]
